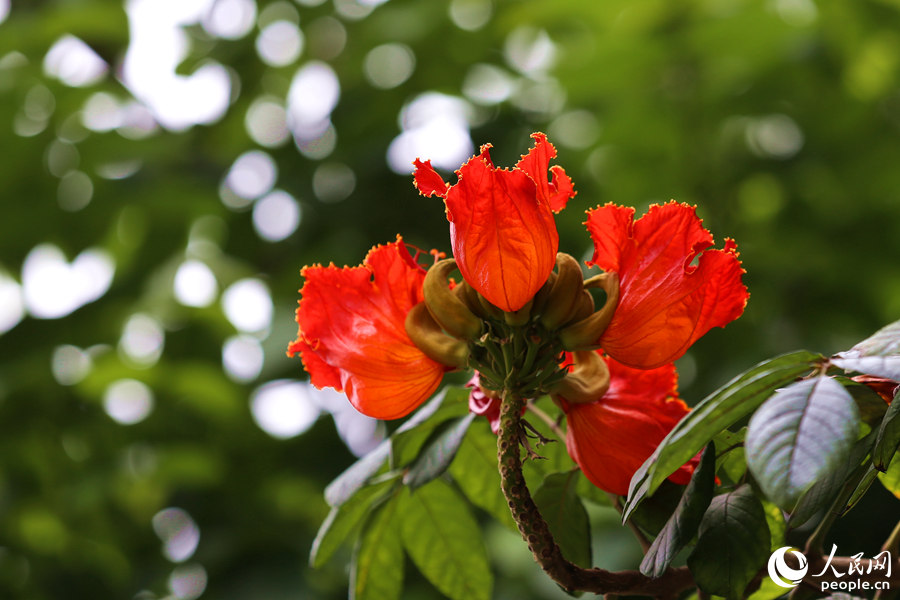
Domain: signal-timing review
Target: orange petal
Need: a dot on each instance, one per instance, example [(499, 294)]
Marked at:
[(427, 180), (352, 335), (502, 230), (557, 192), (612, 437), (665, 302)]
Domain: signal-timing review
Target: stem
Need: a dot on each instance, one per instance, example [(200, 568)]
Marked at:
[(536, 532), (892, 544), (641, 538), (557, 431)]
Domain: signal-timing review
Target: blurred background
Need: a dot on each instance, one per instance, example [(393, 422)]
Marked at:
[(168, 166)]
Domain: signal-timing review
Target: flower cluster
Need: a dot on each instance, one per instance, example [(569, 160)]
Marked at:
[(522, 317)]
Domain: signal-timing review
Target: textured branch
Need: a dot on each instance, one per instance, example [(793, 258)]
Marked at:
[(537, 534)]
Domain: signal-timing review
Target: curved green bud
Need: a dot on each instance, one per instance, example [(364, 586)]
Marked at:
[(489, 310), (540, 299), (564, 293), (585, 334), (450, 312), (519, 317), (587, 382), (428, 337), (584, 306)]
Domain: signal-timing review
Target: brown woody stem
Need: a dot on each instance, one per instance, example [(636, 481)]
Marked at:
[(537, 534)]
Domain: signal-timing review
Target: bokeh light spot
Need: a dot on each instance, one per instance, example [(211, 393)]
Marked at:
[(313, 94), (436, 127), (283, 409), (70, 364), (74, 63), (333, 182), (128, 401), (230, 19), (279, 43), (53, 288), (142, 340), (75, 191), (178, 532), (188, 582), (486, 84), (242, 357), (276, 216), (389, 65), (252, 175), (12, 303), (470, 15), (266, 122), (195, 285), (248, 305)]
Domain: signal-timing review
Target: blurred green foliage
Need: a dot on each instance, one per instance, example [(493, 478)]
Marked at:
[(780, 119)]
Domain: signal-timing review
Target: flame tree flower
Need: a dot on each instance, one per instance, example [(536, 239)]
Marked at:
[(385, 332)]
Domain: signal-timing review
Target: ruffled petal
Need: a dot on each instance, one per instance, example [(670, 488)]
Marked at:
[(612, 437), (352, 335), (427, 180), (555, 193), (665, 302), (502, 230)]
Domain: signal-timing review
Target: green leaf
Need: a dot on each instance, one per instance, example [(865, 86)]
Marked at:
[(351, 480), (888, 438), (801, 434), (683, 525), (777, 525), (356, 476), (565, 515), (891, 478), (731, 462), (824, 492), (377, 568), (877, 355), (714, 414), (407, 441), (444, 541), (733, 544), (342, 520), (438, 454), (865, 483), (475, 470)]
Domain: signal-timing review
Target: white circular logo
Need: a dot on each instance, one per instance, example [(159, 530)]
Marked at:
[(779, 571)]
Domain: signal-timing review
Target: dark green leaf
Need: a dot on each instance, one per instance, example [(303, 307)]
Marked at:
[(822, 494), (407, 441), (438, 454), (589, 491), (868, 478), (476, 472), (732, 463), (682, 526), (342, 520), (890, 479), (356, 476), (444, 541), (654, 512), (801, 434), (715, 413), (733, 544), (565, 515), (888, 440), (377, 569)]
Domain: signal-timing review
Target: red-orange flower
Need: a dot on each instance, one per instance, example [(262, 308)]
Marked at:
[(502, 230), (666, 301), (611, 437), (352, 336)]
